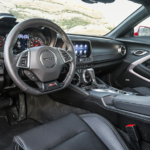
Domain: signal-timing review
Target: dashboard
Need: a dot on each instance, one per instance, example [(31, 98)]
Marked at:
[(103, 55), (88, 50), (91, 52)]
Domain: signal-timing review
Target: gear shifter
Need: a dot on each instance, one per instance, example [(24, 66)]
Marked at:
[(91, 72)]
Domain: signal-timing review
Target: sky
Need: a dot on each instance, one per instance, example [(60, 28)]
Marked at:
[(114, 12), (145, 23)]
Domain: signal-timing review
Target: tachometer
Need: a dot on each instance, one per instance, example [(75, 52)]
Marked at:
[(36, 41), (2, 42)]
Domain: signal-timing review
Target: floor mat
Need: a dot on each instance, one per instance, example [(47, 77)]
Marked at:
[(44, 109), (7, 132)]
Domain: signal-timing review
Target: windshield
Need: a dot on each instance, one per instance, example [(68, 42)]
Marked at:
[(74, 16)]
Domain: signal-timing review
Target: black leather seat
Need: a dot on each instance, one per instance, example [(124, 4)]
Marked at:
[(72, 132)]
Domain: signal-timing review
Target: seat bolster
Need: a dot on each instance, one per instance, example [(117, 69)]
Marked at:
[(90, 132), (51, 134), (13, 146), (105, 131)]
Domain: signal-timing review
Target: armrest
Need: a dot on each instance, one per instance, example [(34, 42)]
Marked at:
[(136, 104)]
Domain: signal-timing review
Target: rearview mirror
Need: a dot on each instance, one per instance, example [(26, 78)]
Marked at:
[(96, 1), (142, 31)]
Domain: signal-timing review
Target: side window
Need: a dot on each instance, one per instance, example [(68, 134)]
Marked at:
[(143, 28)]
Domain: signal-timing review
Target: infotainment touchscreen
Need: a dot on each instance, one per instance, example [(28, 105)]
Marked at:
[(81, 49)]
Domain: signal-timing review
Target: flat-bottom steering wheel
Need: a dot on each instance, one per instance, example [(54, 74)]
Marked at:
[(44, 62)]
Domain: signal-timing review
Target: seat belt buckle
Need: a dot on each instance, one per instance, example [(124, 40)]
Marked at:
[(133, 132)]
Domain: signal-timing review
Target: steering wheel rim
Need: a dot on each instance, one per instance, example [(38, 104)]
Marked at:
[(11, 59)]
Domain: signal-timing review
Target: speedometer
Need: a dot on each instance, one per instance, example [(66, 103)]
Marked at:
[(36, 41)]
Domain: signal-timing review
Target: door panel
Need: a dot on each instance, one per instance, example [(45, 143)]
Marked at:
[(135, 69)]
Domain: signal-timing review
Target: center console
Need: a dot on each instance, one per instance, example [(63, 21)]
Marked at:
[(92, 94), (85, 76), (87, 81), (99, 86)]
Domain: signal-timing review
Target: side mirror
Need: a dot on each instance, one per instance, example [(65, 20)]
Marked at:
[(142, 31)]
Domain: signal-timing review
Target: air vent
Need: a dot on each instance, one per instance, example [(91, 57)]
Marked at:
[(76, 79), (65, 55), (122, 50)]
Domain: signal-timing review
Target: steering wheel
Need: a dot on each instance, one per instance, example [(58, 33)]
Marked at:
[(41, 64)]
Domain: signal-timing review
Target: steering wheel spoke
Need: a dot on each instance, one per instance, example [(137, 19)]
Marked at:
[(24, 60), (30, 75), (65, 55), (50, 86)]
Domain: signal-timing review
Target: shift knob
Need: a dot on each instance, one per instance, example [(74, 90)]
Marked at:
[(91, 72)]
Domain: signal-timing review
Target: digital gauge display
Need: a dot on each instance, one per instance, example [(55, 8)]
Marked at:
[(25, 41), (22, 41)]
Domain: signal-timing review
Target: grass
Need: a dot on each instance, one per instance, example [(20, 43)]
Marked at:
[(110, 28), (77, 12), (68, 24), (20, 15), (51, 2), (33, 8), (57, 12), (64, 23)]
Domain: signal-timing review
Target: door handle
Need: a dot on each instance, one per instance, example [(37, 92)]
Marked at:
[(138, 62), (140, 52)]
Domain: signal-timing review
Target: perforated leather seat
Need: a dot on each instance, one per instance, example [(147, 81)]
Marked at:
[(72, 132)]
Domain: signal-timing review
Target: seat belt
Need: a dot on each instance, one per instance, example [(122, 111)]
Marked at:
[(133, 134)]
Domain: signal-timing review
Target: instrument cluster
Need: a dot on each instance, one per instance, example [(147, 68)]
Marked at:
[(24, 42), (29, 38)]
